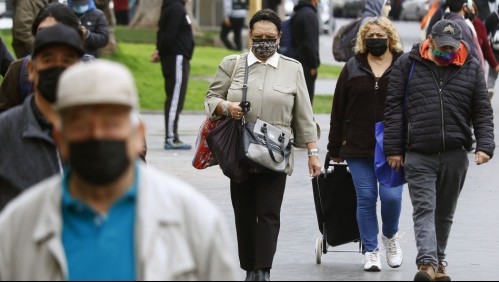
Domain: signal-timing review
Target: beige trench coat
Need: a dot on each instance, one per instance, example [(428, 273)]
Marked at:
[(278, 96)]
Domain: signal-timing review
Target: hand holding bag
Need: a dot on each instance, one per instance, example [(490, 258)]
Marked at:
[(385, 174), (264, 146), (203, 157)]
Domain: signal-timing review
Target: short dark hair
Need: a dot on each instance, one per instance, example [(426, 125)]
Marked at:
[(266, 15), (456, 5), (61, 13)]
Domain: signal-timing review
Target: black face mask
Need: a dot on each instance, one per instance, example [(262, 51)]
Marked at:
[(376, 46), (99, 162), (47, 83)]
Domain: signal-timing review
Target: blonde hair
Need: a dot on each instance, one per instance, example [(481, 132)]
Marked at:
[(394, 44)]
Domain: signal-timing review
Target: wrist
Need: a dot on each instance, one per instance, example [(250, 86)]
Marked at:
[(225, 108), (313, 152)]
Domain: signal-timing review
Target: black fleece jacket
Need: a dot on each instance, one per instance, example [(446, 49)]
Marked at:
[(442, 104), (175, 32), (359, 101)]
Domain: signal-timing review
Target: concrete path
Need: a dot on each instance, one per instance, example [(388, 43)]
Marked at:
[(472, 247)]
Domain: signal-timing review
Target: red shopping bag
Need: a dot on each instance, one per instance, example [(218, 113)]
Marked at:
[(203, 157)]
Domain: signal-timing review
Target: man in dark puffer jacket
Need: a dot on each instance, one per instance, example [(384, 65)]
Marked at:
[(446, 93)]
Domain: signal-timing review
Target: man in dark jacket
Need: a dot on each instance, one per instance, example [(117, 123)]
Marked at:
[(174, 48), (93, 24), (305, 28), (430, 125), (28, 151)]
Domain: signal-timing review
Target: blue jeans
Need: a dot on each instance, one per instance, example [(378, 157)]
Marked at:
[(366, 186)]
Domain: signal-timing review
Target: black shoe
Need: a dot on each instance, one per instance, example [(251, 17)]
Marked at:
[(250, 276), (262, 275)]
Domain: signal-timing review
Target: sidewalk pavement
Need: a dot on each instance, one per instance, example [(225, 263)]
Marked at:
[(472, 247)]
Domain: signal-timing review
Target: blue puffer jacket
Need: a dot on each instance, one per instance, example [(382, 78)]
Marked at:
[(442, 104)]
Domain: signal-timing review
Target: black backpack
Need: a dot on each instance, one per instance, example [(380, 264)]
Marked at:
[(344, 41)]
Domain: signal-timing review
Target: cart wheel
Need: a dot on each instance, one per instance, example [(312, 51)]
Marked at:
[(318, 251)]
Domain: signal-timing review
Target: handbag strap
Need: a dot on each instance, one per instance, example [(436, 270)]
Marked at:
[(245, 84), (267, 143)]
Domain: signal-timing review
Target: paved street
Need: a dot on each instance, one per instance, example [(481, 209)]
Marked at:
[(471, 248)]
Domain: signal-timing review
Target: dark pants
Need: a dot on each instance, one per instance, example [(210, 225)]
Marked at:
[(257, 208), (122, 17), (435, 182), (237, 25), (176, 73), (310, 80)]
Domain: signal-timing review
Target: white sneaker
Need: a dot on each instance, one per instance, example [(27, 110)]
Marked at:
[(372, 261), (394, 255)]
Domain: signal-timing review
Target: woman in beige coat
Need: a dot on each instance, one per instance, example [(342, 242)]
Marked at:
[(278, 95)]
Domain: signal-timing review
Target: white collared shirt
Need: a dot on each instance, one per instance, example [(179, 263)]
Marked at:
[(272, 61)]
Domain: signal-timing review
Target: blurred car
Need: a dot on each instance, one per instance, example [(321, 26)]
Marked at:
[(325, 14), (353, 8), (414, 10)]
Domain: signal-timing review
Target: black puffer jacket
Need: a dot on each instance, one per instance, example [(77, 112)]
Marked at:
[(98, 35), (359, 101), (442, 104)]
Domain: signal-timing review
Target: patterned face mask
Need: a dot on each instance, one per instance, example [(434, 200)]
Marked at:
[(264, 48), (444, 58)]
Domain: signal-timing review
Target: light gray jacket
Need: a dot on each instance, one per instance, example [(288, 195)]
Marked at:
[(278, 96), (179, 234)]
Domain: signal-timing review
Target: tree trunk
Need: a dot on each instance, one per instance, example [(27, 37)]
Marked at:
[(148, 12)]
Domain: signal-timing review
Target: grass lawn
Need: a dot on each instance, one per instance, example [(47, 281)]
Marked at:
[(135, 48)]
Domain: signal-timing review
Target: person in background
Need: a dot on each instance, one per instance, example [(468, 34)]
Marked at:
[(484, 43), (358, 105), (16, 86), (174, 49), (483, 8), (6, 58), (93, 24), (437, 16), (375, 8), (28, 151), (305, 28), (110, 217), (24, 14), (121, 11), (281, 101), (103, 5), (492, 26), (432, 135), (459, 12), (235, 12), (274, 5)]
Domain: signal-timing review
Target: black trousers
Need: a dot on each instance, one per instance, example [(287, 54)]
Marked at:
[(257, 208), (310, 80), (176, 74), (237, 25)]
